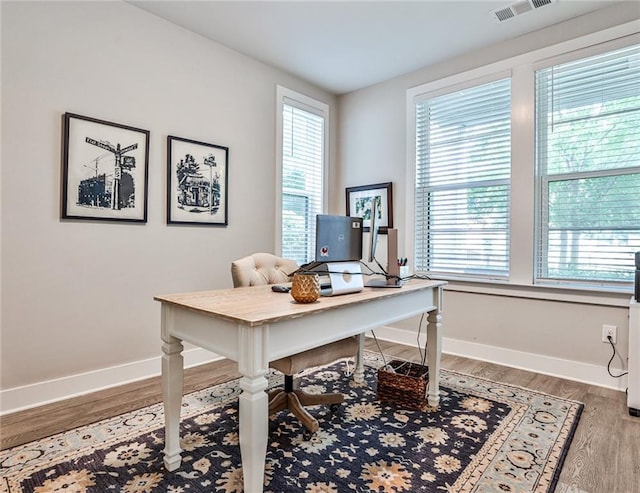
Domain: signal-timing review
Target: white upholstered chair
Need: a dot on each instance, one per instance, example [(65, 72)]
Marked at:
[(265, 268)]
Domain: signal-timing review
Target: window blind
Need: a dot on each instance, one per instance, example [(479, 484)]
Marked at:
[(588, 169), (302, 180), (463, 160)]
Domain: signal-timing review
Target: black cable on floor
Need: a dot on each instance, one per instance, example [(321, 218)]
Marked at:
[(613, 356)]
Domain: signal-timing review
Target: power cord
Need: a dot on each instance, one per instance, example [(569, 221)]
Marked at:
[(311, 266), (374, 273), (423, 351), (419, 276), (384, 360), (384, 273), (423, 356), (610, 339)]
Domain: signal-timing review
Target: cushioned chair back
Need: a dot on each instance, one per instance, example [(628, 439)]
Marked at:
[(261, 268)]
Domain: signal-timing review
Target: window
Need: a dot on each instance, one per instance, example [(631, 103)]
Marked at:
[(462, 181), (526, 172), (302, 168), (588, 169)]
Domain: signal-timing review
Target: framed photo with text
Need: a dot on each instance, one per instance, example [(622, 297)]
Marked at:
[(197, 182), (359, 204), (104, 170)]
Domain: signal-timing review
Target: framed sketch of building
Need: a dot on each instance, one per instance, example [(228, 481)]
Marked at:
[(197, 179), (359, 199), (104, 170)]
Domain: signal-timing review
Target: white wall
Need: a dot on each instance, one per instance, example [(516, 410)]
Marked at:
[(77, 297), (547, 336)]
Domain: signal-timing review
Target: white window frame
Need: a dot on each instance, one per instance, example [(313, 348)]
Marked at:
[(523, 201), (306, 103), (423, 96), (543, 179)]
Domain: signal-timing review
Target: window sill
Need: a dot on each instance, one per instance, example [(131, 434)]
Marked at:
[(589, 296)]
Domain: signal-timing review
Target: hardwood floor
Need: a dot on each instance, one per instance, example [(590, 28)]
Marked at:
[(604, 456), (33, 424)]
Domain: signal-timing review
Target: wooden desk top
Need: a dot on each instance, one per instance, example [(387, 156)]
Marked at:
[(259, 305)]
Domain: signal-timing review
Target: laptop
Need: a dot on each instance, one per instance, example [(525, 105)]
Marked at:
[(338, 238)]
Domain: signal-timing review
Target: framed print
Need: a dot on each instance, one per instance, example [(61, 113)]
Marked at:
[(196, 182), (359, 204), (104, 170)]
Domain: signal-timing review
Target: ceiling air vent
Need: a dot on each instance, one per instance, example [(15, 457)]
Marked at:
[(518, 8)]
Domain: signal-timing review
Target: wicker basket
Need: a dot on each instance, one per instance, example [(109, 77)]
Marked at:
[(406, 386)]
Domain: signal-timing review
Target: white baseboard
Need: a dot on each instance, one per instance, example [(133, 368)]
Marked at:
[(546, 365), (38, 394)]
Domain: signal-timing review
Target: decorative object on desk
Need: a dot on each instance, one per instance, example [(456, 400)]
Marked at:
[(403, 384), (485, 436), (197, 182), (104, 170), (305, 287), (359, 204)]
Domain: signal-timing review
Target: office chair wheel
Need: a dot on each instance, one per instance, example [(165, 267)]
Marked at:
[(307, 435), (334, 408)]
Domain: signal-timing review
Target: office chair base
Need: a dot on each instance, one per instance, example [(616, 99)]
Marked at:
[(296, 400)]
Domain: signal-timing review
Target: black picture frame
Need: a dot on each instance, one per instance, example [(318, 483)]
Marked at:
[(190, 186), (105, 169), (358, 201)]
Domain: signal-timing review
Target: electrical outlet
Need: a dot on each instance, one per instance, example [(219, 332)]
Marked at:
[(609, 330)]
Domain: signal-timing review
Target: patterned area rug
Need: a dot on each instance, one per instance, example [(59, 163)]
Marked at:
[(485, 436)]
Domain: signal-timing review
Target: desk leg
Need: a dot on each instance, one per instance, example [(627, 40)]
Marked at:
[(254, 406), (434, 340), (172, 372), (358, 375)]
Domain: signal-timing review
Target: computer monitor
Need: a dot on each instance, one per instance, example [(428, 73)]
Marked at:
[(338, 238), (373, 230), (392, 275)]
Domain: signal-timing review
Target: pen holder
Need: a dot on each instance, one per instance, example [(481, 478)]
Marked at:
[(404, 271), (305, 287)]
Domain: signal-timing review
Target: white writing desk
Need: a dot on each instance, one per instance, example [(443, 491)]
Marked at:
[(255, 325)]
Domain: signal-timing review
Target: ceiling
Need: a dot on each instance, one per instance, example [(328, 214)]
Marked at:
[(342, 46)]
